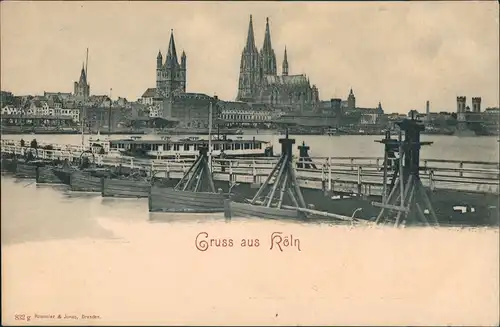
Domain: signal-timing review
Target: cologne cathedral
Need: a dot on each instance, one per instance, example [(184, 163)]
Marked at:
[(259, 81)]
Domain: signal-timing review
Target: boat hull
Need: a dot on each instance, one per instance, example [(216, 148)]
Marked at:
[(9, 165), (26, 170), (46, 175), (125, 188), (64, 174), (170, 200), (85, 182), (238, 209)]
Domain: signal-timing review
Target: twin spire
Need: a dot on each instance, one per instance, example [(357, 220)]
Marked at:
[(267, 38), (250, 38), (267, 46)]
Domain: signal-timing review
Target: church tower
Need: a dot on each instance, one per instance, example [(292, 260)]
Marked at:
[(170, 75), (268, 58), (249, 68), (351, 101), (82, 88), (285, 65), (159, 66)]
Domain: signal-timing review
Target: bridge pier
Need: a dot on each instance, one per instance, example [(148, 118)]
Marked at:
[(407, 194), (304, 158)]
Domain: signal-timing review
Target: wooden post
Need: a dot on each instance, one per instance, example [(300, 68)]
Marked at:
[(359, 180), (254, 171), (323, 178), (431, 180), (329, 174), (401, 173), (384, 187)]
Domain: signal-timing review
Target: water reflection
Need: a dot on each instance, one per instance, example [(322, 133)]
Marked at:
[(31, 213)]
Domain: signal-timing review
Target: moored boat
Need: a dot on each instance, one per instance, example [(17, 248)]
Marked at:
[(256, 211), (172, 200), (195, 192), (9, 164), (28, 169), (88, 180), (125, 187), (46, 175)]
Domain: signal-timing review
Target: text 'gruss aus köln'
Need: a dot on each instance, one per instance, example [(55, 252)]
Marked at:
[(276, 241)]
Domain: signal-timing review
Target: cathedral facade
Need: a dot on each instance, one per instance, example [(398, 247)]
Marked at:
[(259, 81), (170, 74)]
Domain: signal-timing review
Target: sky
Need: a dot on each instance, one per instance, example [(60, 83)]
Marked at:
[(401, 54)]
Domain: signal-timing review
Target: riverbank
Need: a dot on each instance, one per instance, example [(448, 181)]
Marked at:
[(251, 131)]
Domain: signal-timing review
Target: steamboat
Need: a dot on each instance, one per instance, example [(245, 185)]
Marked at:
[(167, 148)]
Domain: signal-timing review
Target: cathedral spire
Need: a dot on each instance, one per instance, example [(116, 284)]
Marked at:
[(250, 38), (83, 76), (172, 52), (285, 64), (267, 38)]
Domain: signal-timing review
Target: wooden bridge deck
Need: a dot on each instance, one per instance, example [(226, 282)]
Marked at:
[(351, 175)]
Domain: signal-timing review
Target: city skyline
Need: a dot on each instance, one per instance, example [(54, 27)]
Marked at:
[(453, 50)]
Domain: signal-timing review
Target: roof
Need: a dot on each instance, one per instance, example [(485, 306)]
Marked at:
[(193, 96), (130, 141), (289, 80), (149, 93), (233, 105), (37, 117)]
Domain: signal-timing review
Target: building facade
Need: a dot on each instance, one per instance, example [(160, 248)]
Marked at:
[(259, 81)]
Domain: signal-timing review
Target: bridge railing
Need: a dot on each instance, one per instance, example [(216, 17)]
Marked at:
[(328, 171)]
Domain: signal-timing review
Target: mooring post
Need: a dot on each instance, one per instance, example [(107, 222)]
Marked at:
[(303, 155)]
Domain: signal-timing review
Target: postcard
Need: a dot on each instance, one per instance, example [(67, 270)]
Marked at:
[(250, 163)]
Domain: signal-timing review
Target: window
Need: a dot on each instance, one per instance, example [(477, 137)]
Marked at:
[(247, 146), (216, 146), (237, 146), (176, 147), (186, 147), (227, 146), (169, 147)]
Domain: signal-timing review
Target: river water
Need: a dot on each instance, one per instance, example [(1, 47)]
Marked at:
[(80, 254)]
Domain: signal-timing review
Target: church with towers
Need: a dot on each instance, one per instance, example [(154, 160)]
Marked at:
[(81, 89), (259, 81), (170, 74)]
